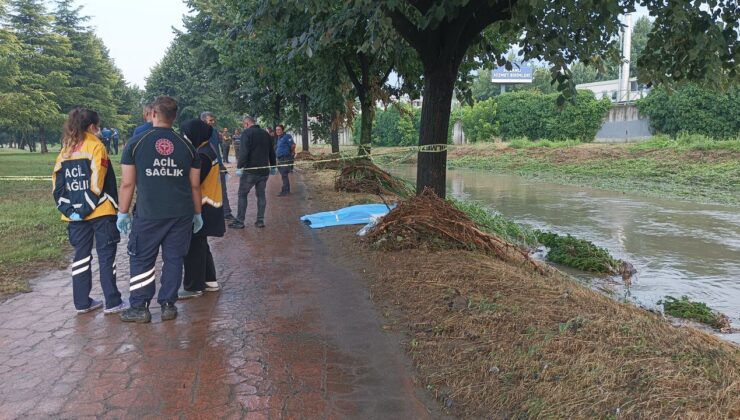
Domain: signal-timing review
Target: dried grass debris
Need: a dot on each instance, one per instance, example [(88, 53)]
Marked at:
[(363, 176), (429, 221)]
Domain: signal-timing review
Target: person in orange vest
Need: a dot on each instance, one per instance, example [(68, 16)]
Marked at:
[(200, 270), (86, 194)]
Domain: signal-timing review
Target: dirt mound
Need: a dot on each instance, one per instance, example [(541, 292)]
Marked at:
[(363, 176), (428, 221), (306, 156), (332, 161)]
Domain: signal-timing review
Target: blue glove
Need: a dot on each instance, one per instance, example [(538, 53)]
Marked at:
[(74, 217), (273, 170), (197, 223), (239, 172), (123, 223)]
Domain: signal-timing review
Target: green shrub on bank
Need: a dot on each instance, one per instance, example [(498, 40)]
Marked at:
[(694, 110), (398, 125), (578, 253), (697, 311), (480, 121), (536, 116)]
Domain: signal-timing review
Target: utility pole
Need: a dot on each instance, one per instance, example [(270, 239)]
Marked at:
[(624, 78)]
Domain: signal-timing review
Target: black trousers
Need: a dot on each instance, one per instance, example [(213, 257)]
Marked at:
[(199, 266)]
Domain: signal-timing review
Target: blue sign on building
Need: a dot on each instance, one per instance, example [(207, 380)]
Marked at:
[(519, 73)]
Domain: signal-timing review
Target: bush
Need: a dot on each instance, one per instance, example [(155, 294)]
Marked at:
[(693, 110), (479, 121), (535, 116)]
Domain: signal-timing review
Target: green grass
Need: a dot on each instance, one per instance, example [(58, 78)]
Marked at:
[(564, 250), (578, 253), (688, 309), (34, 237), (496, 224), (524, 143), (687, 142), (697, 180)]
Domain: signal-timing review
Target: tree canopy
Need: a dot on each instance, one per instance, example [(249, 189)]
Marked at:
[(274, 54), (51, 62)]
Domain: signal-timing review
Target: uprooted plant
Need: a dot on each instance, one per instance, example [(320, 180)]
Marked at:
[(698, 311), (429, 221), (363, 176)]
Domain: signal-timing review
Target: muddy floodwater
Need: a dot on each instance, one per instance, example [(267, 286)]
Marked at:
[(678, 247)]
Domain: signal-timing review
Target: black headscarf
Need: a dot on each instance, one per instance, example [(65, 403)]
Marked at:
[(196, 131)]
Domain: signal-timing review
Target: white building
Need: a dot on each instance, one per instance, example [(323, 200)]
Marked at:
[(610, 89)]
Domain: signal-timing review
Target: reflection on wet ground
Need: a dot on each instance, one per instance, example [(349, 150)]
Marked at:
[(678, 247), (291, 335)]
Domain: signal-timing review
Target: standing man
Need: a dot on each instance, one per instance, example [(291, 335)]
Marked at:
[(285, 151), (116, 139), (147, 115), (164, 168), (106, 134), (210, 119), (255, 151), (225, 144)]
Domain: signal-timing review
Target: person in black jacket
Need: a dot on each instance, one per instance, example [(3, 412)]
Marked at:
[(255, 151), (200, 270)]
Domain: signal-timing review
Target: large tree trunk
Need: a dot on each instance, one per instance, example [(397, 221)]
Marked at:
[(431, 170), (334, 134), (304, 122), (42, 139), (367, 110)]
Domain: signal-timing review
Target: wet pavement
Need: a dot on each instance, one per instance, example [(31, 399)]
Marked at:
[(291, 335)]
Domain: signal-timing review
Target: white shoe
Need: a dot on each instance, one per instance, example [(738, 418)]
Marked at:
[(116, 309), (212, 286), (95, 304)]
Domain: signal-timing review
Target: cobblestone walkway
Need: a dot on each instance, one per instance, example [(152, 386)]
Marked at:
[(291, 335)]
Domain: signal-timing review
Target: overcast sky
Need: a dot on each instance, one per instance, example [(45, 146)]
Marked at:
[(137, 32)]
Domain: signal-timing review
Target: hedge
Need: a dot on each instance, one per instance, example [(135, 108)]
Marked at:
[(693, 110), (534, 115)]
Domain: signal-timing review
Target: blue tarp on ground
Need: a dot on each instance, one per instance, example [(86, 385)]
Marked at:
[(354, 215)]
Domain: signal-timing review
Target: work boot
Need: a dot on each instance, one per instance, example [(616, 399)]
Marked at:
[(139, 315), (169, 311), (236, 225)]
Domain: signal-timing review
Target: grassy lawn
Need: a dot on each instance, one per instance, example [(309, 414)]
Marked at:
[(696, 172), (35, 239)]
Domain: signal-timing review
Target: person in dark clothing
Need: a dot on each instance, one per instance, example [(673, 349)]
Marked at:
[(147, 115), (200, 271), (115, 140), (285, 151), (255, 151), (164, 170)]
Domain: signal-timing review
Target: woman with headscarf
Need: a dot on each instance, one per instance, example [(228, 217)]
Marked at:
[(200, 271)]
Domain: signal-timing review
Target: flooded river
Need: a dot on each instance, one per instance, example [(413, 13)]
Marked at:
[(678, 247)]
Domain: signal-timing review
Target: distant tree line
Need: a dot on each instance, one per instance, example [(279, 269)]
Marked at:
[(50, 62)]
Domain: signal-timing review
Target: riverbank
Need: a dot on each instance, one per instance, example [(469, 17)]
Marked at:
[(494, 339), (698, 174)]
